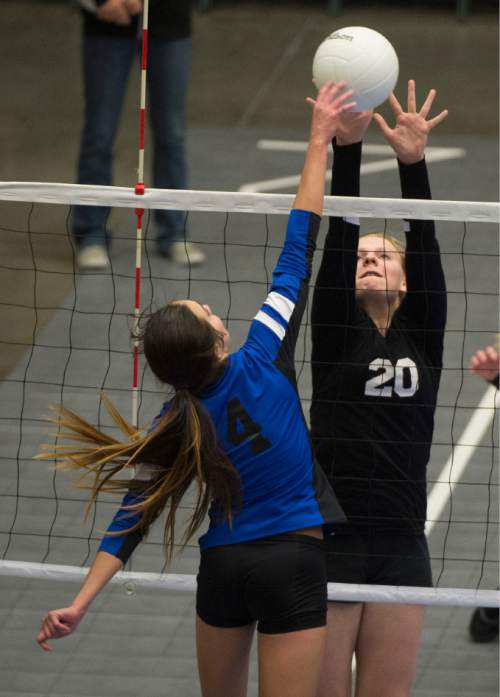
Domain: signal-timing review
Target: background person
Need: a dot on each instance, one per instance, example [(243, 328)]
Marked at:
[(378, 320), (110, 47), (483, 625), (235, 430)]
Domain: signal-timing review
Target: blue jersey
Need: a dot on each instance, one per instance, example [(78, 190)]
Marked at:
[(258, 417)]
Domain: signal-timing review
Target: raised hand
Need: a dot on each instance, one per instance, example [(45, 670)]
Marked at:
[(57, 624), (409, 136), (326, 110), (486, 363), (352, 126), (329, 106)]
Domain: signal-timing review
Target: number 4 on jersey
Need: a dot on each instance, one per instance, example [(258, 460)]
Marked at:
[(241, 428)]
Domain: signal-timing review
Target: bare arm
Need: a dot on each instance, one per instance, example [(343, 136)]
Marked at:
[(62, 622)]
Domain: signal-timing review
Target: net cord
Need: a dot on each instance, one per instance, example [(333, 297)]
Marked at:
[(234, 202), (186, 583)]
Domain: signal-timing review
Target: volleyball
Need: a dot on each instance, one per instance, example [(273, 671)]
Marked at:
[(362, 58)]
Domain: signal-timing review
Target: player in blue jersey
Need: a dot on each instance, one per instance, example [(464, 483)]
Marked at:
[(378, 318), (235, 430)]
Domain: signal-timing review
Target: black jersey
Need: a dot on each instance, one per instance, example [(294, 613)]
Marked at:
[(374, 396)]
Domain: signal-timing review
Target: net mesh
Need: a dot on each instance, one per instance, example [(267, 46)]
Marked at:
[(66, 338)]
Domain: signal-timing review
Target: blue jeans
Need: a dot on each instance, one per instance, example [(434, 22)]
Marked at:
[(107, 62)]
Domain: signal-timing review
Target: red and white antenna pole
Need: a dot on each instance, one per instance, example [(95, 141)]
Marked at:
[(139, 212)]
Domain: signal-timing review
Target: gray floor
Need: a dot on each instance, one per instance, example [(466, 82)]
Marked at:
[(242, 91)]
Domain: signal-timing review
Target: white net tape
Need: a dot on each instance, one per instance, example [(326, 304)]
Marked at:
[(229, 202)]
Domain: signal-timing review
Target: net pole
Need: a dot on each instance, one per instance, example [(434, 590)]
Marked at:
[(139, 190)]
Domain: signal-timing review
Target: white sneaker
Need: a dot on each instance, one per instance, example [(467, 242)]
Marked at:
[(93, 257), (186, 253)]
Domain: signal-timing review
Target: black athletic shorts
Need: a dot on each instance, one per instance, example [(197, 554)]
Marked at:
[(278, 582), (378, 557)]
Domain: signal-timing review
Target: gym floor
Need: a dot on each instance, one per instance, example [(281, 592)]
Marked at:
[(251, 72)]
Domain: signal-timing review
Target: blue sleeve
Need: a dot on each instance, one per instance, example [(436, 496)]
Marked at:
[(122, 546), (275, 327)]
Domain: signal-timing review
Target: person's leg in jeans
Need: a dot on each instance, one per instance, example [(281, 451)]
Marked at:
[(106, 67), (168, 70)]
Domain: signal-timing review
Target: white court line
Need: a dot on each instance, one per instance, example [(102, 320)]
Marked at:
[(433, 154), (459, 458)]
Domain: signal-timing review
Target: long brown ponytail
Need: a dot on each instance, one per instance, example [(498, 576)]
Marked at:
[(181, 448)]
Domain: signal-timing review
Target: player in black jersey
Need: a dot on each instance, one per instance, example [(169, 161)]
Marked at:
[(234, 425), (483, 625), (378, 320)]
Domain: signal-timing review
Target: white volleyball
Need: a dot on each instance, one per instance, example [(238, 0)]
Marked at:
[(362, 58)]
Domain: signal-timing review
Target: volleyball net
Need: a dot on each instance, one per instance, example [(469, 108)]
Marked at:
[(66, 338)]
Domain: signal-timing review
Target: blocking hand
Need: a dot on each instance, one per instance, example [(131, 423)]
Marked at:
[(352, 126), (409, 136), (331, 103)]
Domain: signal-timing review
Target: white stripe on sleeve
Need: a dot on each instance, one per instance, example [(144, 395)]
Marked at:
[(271, 324), (352, 221), (282, 305)]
